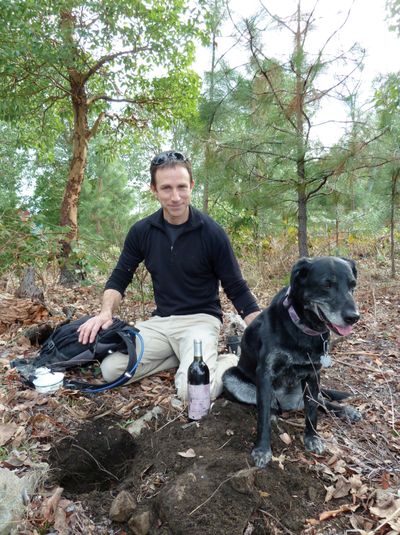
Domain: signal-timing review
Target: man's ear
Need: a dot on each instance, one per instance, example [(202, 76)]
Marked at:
[(300, 271)]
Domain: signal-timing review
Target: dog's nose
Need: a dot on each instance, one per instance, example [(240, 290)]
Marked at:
[(351, 318)]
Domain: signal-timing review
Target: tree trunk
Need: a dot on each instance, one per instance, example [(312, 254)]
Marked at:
[(393, 196), (302, 220), (69, 205), (28, 287), (300, 164), (210, 141)]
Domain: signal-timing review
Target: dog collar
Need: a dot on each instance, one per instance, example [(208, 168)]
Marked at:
[(296, 319)]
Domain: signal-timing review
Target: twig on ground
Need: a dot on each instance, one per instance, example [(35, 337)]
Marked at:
[(387, 520), (364, 368), (277, 521), (170, 422), (212, 495), (224, 444), (101, 467)]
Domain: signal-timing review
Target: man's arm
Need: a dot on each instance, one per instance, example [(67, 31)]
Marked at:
[(250, 317), (227, 268), (116, 285), (88, 331)]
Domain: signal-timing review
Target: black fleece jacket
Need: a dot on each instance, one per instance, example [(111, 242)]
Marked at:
[(186, 275)]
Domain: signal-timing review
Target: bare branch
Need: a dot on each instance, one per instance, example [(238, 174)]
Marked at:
[(110, 57), (95, 127)]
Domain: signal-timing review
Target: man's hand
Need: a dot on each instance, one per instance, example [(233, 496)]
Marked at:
[(250, 317), (88, 330)]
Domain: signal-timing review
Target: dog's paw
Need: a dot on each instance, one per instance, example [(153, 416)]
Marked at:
[(352, 415), (314, 444), (261, 457)]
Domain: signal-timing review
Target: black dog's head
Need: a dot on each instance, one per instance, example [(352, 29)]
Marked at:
[(321, 291)]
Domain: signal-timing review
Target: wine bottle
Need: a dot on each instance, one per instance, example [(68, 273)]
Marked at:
[(199, 399)]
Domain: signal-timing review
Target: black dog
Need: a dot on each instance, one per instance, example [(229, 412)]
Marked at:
[(283, 349)]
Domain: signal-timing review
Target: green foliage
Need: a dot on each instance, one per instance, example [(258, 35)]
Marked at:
[(13, 162), (127, 52), (26, 242)]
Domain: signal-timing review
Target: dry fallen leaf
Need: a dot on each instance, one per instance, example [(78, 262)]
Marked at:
[(388, 508), (312, 521), (50, 505), (335, 512), (187, 454), (285, 438), (280, 460), (358, 488), (7, 432), (342, 488)]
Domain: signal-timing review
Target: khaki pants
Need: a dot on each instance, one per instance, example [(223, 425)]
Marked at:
[(168, 343)]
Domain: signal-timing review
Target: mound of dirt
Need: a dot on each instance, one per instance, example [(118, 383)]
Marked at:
[(195, 477)]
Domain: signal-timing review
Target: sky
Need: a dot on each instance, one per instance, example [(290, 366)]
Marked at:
[(366, 25)]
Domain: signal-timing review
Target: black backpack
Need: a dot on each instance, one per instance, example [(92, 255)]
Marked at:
[(62, 350)]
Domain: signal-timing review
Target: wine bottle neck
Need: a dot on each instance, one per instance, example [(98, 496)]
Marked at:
[(198, 349)]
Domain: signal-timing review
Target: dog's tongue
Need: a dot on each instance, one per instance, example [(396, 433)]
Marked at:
[(343, 331)]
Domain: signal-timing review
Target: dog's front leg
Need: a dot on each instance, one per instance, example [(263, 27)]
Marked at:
[(312, 441), (262, 450)]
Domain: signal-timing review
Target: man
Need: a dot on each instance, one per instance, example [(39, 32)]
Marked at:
[(187, 254)]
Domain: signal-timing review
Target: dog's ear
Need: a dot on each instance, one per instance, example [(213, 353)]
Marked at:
[(352, 265), (300, 270)]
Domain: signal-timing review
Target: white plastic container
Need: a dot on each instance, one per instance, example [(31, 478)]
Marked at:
[(47, 382)]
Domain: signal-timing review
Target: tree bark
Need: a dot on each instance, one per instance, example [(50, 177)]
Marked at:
[(302, 216), (69, 205), (300, 163), (210, 140), (395, 178), (28, 287)]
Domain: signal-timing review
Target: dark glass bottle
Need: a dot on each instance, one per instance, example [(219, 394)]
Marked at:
[(199, 399)]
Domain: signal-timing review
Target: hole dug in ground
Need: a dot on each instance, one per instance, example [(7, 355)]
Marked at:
[(98, 457)]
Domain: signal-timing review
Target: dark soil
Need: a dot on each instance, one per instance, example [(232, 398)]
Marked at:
[(204, 494), (100, 453)]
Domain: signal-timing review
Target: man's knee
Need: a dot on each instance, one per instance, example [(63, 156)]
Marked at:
[(113, 366)]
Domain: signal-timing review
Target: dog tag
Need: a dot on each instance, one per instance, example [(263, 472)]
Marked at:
[(326, 361)]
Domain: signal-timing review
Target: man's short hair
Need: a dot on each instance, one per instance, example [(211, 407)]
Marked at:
[(166, 159)]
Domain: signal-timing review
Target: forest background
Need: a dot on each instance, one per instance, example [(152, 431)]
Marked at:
[(90, 91)]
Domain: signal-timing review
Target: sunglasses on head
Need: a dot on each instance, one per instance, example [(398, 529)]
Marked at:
[(169, 156)]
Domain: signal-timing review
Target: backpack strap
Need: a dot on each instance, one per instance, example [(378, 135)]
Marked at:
[(128, 335)]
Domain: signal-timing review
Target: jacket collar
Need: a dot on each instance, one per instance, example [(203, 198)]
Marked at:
[(195, 219)]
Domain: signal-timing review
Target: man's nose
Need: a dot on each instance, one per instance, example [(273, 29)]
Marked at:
[(175, 195)]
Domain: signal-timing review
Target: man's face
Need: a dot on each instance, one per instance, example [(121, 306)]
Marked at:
[(173, 190)]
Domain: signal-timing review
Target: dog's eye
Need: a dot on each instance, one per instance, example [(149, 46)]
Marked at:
[(328, 284)]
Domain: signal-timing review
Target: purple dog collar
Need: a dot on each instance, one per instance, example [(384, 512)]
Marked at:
[(296, 320)]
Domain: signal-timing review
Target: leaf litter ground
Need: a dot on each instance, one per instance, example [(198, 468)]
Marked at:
[(199, 478)]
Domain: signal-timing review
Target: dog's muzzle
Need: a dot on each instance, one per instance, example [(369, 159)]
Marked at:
[(349, 319)]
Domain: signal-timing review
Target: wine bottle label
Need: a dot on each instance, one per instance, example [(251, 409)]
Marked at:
[(198, 401)]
